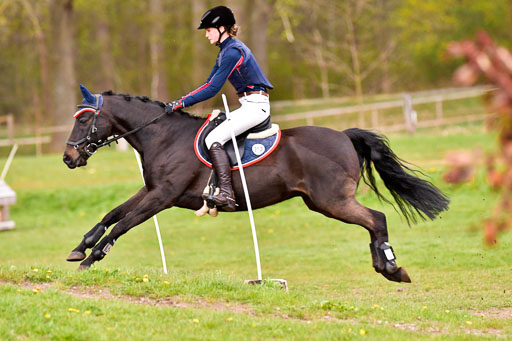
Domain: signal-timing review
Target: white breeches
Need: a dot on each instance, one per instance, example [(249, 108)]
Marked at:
[(254, 110)]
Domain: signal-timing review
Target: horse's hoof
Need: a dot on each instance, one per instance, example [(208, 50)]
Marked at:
[(398, 276), (83, 267), (404, 276), (76, 256)]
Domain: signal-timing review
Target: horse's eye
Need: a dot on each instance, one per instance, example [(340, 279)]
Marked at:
[(83, 120)]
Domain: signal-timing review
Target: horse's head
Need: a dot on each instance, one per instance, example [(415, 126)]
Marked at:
[(89, 131)]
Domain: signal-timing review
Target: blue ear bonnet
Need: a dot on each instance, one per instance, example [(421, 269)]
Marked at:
[(94, 101)]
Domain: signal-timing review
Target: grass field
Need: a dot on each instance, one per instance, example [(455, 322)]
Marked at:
[(461, 289)]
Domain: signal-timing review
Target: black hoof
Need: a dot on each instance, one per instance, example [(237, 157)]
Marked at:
[(76, 256), (398, 276)]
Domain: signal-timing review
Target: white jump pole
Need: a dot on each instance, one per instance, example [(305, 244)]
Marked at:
[(9, 161), (164, 264), (246, 191)]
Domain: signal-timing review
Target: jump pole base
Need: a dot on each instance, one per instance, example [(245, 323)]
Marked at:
[(282, 282)]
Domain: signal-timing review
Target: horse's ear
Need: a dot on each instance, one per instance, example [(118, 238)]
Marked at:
[(87, 94)]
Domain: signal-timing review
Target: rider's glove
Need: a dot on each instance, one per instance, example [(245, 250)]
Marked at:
[(173, 106)]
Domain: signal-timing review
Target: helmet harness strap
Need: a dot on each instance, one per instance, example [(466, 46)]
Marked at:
[(220, 36)]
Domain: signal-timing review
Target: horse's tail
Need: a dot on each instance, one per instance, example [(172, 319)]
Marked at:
[(414, 196)]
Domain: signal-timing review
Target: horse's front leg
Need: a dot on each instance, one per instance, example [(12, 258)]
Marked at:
[(93, 236), (154, 202)]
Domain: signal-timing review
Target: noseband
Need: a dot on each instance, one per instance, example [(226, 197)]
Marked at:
[(91, 146)]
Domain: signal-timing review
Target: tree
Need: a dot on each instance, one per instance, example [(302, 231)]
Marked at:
[(64, 79), (158, 79)]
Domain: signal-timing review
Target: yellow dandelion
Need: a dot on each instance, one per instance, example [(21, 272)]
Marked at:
[(432, 170), (229, 319), (362, 332), (424, 307), (36, 290), (73, 310), (87, 312), (446, 311), (381, 308), (195, 320), (253, 325), (18, 291), (49, 271), (349, 330), (166, 282), (469, 323), (47, 315), (36, 270), (145, 279), (47, 277), (146, 276), (270, 230)]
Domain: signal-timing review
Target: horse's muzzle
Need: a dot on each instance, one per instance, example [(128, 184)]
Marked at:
[(72, 158)]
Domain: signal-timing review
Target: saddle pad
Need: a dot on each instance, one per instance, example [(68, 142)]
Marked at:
[(254, 150)]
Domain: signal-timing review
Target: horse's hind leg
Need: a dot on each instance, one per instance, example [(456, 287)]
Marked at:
[(92, 237), (352, 212)]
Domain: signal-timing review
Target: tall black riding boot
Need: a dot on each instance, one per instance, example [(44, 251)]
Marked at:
[(226, 197)]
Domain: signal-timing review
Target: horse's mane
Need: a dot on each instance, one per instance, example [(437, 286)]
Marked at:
[(145, 99)]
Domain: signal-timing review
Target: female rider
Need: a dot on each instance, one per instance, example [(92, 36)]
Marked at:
[(236, 63)]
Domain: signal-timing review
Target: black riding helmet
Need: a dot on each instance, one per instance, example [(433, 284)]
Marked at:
[(217, 17)]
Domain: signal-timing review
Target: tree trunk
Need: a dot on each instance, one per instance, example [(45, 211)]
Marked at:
[(43, 64), (354, 54), (158, 79), (322, 65), (64, 79), (105, 51), (385, 45), (260, 18)]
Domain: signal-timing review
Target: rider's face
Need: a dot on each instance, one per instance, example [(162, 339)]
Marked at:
[(212, 34)]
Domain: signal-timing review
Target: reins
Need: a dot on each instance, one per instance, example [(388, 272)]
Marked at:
[(107, 142)]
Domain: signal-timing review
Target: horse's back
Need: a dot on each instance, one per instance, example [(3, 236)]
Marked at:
[(324, 147)]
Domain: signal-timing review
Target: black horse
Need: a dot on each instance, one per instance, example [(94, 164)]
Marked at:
[(321, 165)]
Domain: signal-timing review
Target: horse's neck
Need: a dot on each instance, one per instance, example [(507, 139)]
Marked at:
[(173, 127)]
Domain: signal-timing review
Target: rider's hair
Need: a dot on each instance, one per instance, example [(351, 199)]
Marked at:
[(233, 30)]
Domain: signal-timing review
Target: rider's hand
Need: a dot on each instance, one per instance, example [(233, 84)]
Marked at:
[(173, 106)]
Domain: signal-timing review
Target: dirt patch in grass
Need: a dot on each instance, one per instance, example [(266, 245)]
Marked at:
[(104, 293), (504, 313)]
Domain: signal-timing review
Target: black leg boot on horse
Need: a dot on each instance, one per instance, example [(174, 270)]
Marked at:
[(225, 198)]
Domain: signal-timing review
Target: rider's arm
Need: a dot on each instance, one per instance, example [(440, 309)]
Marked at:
[(231, 59)]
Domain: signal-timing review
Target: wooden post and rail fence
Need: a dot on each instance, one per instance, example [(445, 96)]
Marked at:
[(370, 115), (406, 111)]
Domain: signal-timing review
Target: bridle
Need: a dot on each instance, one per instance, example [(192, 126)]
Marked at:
[(91, 147)]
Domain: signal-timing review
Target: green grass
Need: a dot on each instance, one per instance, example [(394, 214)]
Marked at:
[(460, 289)]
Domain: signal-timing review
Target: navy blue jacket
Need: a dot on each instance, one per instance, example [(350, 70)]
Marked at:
[(235, 62)]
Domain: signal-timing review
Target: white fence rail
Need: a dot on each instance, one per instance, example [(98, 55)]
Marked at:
[(370, 115)]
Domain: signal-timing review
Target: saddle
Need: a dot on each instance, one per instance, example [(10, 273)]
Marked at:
[(259, 134), (254, 145)]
